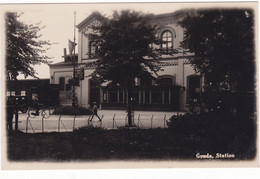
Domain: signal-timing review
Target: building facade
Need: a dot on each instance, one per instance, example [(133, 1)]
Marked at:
[(174, 88)]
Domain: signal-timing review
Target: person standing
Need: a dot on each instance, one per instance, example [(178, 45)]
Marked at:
[(9, 115), (95, 111), (36, 106)]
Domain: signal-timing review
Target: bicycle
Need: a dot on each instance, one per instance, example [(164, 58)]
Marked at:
[(44, 112), (23, 108)]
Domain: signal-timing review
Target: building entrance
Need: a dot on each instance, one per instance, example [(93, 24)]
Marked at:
[(94, 93)]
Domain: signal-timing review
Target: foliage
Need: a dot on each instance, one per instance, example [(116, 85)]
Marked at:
[(96, 144), (219, 133), (209, 122), (123, 46), (74, 82), (92, 129), (69, 110), (223, 43), (23, 47)]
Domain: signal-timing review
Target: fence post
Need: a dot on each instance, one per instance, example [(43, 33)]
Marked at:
[(152, 121), (42, 123), (138, 120), (164, 121), (74, 122), (114, 120), (88, 120), (125, 119), (27, 121), (101, 121), (59, 124), (100, 124)]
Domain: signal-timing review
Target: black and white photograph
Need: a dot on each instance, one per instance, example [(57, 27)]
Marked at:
[(129, 85)]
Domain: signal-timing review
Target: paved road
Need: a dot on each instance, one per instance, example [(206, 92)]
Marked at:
[(111, 119)]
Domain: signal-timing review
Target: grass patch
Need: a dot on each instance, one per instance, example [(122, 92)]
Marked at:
[(96, 144)]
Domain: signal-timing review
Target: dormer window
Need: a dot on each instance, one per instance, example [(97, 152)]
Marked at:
[(167, 40)]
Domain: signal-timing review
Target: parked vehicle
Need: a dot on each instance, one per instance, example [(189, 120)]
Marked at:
[(19, 101)]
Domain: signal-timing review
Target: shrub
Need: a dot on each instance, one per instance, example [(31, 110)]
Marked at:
[(86, 129), (212, 132), (214, 128), (69, 110), (208, 121)]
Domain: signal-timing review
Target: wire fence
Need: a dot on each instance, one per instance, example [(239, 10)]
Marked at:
[(67, 123)]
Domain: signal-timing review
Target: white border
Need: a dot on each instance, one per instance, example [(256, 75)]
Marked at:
[(133, 173)]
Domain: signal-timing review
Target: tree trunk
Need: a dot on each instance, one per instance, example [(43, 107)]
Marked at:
[(130, 108), (9, 116)]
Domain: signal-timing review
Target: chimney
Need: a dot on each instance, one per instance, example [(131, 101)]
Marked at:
[(65, 54)]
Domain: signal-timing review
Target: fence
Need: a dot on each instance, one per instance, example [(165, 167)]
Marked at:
[(65, 123)]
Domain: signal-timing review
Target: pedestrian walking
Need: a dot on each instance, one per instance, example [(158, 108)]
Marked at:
[(95, 111)]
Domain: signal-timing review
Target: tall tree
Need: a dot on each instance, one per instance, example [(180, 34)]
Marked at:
[(222, 41), (23, 47), (124, 50), (23, 50)]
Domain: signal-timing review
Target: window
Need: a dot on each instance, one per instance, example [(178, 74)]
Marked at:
[(23, 93), (157, 96), (62, 83), (147, 96), (121, 96), (166, 96), (193, 88), (17, 93), (105, 95), (137, 82), (134, 95), (112, 96), (8, 93), (166, 82), (12, 93), (167, 40), (146, 82)]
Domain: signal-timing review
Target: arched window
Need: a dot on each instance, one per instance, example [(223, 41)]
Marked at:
[(166, 80), (167, 40), (92, 49)]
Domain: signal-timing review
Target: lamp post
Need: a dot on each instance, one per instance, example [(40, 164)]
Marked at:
[(74, 64)]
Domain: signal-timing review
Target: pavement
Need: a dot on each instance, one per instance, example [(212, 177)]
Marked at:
[(111, 119)]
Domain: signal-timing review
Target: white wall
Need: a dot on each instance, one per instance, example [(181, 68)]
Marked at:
[(180, 71), (56, 73), (84, 90)]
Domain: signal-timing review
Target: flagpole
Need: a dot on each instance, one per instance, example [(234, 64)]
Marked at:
[(74, 64)]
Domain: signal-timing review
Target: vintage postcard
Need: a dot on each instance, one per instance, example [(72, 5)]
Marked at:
[(129, 85)]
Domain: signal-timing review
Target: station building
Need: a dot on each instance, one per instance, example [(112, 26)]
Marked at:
[(173, 90)]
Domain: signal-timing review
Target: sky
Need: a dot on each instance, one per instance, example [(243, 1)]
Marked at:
[(58, 20)]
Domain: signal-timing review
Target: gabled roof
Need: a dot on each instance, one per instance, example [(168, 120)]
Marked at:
[(176, 15), (95, 15), (60, 64)]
